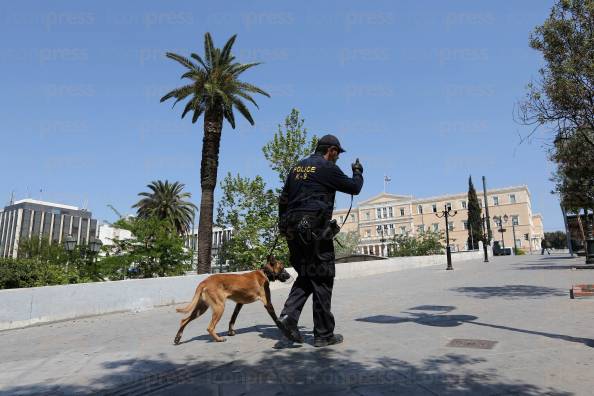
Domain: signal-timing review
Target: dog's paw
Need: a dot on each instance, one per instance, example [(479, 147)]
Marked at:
[(231, 333), (176, 340), (221, 339)]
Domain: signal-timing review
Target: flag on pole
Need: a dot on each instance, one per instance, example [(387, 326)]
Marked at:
[(387, 179)]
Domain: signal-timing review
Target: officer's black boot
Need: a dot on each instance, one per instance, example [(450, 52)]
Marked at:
[(290, 330), (332, 340)]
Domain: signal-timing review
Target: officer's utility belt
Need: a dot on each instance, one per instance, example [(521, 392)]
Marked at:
[(313, 228)]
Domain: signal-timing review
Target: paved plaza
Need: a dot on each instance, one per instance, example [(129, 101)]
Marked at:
[(504, 327)]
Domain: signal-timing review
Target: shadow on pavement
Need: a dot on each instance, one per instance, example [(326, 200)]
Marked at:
[(442, 320), (305, 371), (511, 292)]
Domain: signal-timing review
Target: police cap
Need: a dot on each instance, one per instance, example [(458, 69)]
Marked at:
[(330, 140)]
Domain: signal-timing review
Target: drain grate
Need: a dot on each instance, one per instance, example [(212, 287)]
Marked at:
[(471, 343)]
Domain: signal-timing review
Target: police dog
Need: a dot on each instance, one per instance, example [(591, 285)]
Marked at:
[(241, 288)]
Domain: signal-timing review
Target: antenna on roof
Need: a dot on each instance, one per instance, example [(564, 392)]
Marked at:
[(86, 202), (11, 198)]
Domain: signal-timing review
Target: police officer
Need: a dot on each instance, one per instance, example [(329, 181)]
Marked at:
[(305, 219)]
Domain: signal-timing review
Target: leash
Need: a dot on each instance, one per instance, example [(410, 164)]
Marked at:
[(348, 213), (274, 245), (345, 220)]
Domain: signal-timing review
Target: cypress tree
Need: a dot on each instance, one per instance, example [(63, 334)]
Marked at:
[(475, 228)]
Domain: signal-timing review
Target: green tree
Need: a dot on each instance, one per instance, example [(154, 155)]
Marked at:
[(215, 90), (250, 209), (475, 230), (167, 201), (347, 243), (425, 244), (289, 145), (574, 177), (154, 250), (562, 98)]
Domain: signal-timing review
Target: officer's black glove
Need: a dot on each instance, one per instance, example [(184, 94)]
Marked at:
[(357, 167)]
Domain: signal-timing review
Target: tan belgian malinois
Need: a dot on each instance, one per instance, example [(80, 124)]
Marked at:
[(241, 288)]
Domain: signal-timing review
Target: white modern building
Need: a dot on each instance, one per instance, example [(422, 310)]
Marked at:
[(109, 233), (30, 218)]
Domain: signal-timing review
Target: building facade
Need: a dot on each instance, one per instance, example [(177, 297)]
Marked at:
[(29, 218), (378, 219), (219, 236), (109, 233)]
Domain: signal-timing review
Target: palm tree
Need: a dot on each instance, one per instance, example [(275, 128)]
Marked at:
[(167, 201), (214, 90)]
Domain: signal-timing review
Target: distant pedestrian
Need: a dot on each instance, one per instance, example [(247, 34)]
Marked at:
[(544, 245)]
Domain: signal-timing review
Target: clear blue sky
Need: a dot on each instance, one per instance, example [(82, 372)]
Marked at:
[(421, 91)]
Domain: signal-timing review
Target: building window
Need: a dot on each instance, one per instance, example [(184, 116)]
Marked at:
[(385, 212), (401, 211), (367, 216), (420, 209), (391, 212), (451, 226), (448, 206), (495, 201), (518, 243), (434, 207), (515, 220), (465, 225), (379, 213), (435, 227), (463, 204), (391, 229), (512, 198), (352, 217), (421, 228), (403, 230), (367, 233)]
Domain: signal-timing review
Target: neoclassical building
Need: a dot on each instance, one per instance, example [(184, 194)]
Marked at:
[(379, 218)]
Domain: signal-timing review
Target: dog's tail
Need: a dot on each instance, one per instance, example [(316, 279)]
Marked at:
[(194, 303)]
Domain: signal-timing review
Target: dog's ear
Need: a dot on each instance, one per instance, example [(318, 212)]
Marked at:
[(271, 259)]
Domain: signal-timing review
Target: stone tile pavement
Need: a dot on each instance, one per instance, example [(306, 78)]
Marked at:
[(397, 328)]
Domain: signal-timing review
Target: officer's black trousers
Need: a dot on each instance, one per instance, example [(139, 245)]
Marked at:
[(321, 288), (305, 284)]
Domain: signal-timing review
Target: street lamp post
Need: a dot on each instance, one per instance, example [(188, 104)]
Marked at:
[(380, 231), (487, 211), (447, 213), (69, 246), (501, 220), (94, 246), (514, 235), (485, 237)]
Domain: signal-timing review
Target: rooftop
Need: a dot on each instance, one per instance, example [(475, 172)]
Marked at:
[(45, 203)]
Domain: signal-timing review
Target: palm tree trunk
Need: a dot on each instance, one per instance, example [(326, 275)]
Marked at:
[(213, 124)]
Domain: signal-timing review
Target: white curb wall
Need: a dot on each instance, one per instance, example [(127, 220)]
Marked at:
[(29, 306)]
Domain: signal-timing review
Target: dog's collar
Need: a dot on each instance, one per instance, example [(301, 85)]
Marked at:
[(271, 276)]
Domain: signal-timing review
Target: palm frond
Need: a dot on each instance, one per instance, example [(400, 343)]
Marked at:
[(242, 108), (208, 49), (239, 68), (181, 59), (227, 48), (199, 59), (252, 88), (229, 116)]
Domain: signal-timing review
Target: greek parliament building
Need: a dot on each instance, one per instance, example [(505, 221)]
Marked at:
[(30, 218), (385, 215)]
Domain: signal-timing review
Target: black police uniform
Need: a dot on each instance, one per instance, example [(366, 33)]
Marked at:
[(305, 211)]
